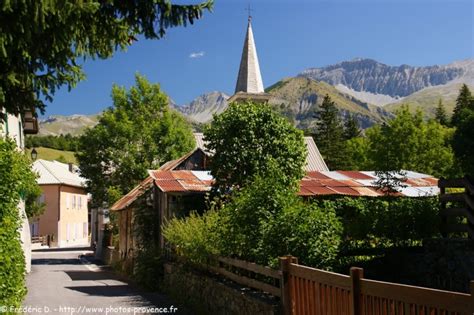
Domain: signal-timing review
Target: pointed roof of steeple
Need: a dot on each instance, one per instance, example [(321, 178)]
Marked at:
[(249, 79)]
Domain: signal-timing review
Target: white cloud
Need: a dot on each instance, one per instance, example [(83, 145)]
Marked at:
[(197, 54)]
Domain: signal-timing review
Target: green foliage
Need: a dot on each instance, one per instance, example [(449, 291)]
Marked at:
[(41, 41), (245, 138), (17, 182), (463, 141), (260, 223), (329, 135), (406, 142), (195, 237), (62, 142), (390, 221), (351, 128), (140, 132), (440, 114), (148, 268), (463, 101)]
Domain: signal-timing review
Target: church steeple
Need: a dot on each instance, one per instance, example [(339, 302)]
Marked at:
[(249, 80)]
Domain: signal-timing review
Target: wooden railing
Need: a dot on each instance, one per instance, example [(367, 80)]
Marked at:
[(450, 215), (235, 269), (43, 240), (313, 291)]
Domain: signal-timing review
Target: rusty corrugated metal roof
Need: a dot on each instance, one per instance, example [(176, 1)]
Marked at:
[(136, 192), (347, 183)]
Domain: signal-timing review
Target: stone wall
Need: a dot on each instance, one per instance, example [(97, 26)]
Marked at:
[(208, 294)]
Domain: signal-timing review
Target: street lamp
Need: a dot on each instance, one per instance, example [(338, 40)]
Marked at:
[(34, 154)]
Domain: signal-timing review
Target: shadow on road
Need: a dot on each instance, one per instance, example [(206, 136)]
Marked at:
[(56, 261), (87, 275), (68, 249), (106, 290)]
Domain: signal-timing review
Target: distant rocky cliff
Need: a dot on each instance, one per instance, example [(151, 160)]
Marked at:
[(396, 81)]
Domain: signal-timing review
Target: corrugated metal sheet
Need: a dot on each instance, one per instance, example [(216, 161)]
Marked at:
[(314, 159), (136, 192), (313, 184), (199, 138)]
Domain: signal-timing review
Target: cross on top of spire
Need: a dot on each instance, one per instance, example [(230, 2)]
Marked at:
[(249, 10)]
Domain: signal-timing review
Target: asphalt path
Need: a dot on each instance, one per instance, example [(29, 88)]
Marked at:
[(66, 282)]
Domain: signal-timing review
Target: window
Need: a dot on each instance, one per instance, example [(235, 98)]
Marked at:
[(79, 202), (68, 232), (41, 199), (67, 201), (74, 201), (84, 230), (76, 231)]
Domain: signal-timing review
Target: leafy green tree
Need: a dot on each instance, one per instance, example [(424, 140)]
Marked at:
[(246, 138), (351, 128), (17, 182), (138, 133), (440, 114), (404, 143), (463, 101), (463, 140), (41, 41), (329, 135)]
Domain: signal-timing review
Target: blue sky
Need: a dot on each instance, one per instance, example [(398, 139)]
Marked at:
[(291, 35)]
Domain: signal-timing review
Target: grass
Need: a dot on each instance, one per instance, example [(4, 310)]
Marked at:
[(53, 154)]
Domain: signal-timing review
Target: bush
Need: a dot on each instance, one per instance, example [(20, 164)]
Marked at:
[(308, 231), (389, 221), (17, 181), (194, 237)]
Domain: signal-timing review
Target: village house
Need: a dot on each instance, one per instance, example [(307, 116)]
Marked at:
[(65, 218)]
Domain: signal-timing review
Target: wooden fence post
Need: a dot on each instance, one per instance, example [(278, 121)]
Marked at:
[(356, 275), (286, 302), (442, 210)]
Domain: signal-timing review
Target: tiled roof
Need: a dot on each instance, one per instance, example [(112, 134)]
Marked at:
[(54, 172), (347, 183)]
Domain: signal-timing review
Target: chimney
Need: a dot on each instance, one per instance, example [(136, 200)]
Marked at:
[(71, 167)]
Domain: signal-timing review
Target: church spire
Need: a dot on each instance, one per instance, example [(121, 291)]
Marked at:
[(249, 80)]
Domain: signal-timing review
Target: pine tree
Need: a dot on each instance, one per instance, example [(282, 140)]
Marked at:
[(329, 135), (440, 114), (463, 101), (351, 128)]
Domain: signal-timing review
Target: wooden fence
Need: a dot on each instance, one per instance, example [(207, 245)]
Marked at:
[(43, 240), (451, 217), (305, 290), (311, 291)]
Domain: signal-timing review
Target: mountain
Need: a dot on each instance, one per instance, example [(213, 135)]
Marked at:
[(427, 99), (204, 106), (74, 124), (380, 84), (299, 98)]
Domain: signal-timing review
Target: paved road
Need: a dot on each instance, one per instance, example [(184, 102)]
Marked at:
[(61, 282)]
